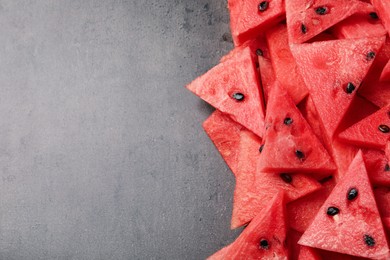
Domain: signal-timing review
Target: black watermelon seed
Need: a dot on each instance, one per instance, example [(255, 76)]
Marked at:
[(303, 29), (299, 154), (332, 211), (286, 177), (384, 129), (263, 6), (288, 121), (352, 194), (322, 10), (369, 240), (238, 96), (387, 167), (259, 52), (370, 55), (350, 88), (261, 148), (374, 15), (264, 244)]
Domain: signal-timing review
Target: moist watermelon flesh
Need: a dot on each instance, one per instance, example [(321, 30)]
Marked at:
[(308, 253), (383, 7), (372, 88), (387, 150), (233, 88), (340, 67), (267, 72), (308, 18), (263, 238), (373, 131), (225, 134), (349, 220), (377, 167), (360, 25), (254, 188), (248, 17), (286, 70), (289, 144), (385, 76)]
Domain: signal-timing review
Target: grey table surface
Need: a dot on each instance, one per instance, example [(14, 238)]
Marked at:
[(102, 153)]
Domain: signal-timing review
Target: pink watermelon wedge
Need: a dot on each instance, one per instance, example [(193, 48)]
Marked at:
[(286, 70), (333, 70), (371, 132), (348, 217), (267, 72), (307, 18), (283, 149), (233, 88), (248, 17), (254, 189), (383, 7), (263, 238), (225, 134)]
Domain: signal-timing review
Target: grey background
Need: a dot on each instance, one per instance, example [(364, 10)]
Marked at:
[(102, 154)]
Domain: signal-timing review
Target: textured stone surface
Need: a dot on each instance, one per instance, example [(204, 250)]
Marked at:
[(102, 154)]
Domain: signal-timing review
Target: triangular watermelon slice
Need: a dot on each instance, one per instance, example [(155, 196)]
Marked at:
[(308, 18), (283, 62), (372, 132), (233, 88), (249, 17), (349, 221), (340, 66), (225, 134), (363, 24), (289, 144), (377, 166), (254, 189), (267, 72), (263, 238)]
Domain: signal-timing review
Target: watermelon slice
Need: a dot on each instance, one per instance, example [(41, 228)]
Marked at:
[(225, 134), (372, 132), (286, 70), (289, 143), (372, 88), (302, 211), (264, 238), (383, 7), (340, 66), (308, 18), (249, 17), (308, 253), (348, 217), (360, 25), (254, 189), (233, 88), (382, 196), (377, 167), (267, 72)]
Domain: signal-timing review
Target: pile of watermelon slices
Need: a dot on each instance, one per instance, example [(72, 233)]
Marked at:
[(303, 121)]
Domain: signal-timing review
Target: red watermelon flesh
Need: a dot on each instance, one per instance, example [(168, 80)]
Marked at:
[(233, 88), (372, 88), (383, 7), (289, 144), (308, 253), (373, 131), (382, 196), (267, 72), (263, 238), (308, 18), (339, 66), (286, 70), (360, 25), (377, 167), (385, 76), (301, 212), (349, 220), (248, 17), (387, 150), (254, 189), (225, 134), (293, 237)]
